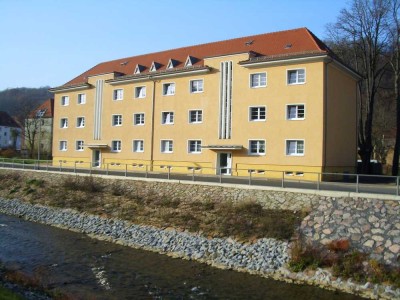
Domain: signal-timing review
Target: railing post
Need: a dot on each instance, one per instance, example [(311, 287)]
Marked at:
[(318, 181), (47, 165), (283, 179), (12, 163), (75, 167), (357, 181), (38, 165), (147, 174), (220, 175), (249, 177), (169, 172), (23, 164), (126, 170), (193, 174), (60, 166), (107, 169), (397, 184), (90, 168)]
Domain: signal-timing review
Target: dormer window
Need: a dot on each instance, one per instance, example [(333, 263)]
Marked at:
[(172, 64), (154, 66), (138, 69), (190, 60)]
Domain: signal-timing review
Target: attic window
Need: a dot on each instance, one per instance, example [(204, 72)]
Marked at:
[(248, 43), (154, 66), (171, 64), (40, 113), (138, 69), (288, 46), (190, 61), (124, 63)]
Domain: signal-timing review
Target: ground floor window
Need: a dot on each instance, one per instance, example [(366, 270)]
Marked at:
[(295, 147)]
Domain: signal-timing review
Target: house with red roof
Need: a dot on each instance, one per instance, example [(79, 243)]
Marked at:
[(270, 105), (38, 130), (10, 132)]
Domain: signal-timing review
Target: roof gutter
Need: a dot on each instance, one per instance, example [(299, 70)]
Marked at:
[(70, 88)]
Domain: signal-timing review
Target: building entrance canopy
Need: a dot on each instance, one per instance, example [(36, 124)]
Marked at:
[(223, 147)]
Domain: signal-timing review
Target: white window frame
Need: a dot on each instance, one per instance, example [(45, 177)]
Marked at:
[(164, 144), (258, 119), (63, 145), (64, 100), (166, 117), (258, 152), (251, 82), (118, 94), (297, 111), (138, 93), (297, 152), (79, 145), (141, 118), (116, 120), (116, 146), (81, 98), (190, 117), (197, 91), (135, 148), (79, 121), (64, 121), (197, 144), (297, 76), (165, 88)]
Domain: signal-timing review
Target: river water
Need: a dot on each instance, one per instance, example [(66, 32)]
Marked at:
[(90, 269)]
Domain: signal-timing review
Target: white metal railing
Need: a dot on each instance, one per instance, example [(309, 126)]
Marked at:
[(303, 180)]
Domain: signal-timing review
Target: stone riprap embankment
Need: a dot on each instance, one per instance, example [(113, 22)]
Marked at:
[(266, 255), (372, 226)]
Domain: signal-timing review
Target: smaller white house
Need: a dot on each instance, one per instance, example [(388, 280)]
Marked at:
[(10, 132)]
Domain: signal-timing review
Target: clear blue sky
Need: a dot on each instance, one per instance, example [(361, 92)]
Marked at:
[(49, 42)]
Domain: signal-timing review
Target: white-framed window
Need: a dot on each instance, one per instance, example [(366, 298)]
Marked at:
[(196, 86), (257, 147), (194, 146), (118, 94), (195, 116), (295, 111), (116, 146), (63, 146), (168, 89), (64, 100), (167, 117), (116, 120), (258, 80), (140, 92), (297, 76), (81, 98), (167, 146), (295, 147), (79, 145), (257, 113), (138, 119), (138, 146), (80, 122), (64, 123)]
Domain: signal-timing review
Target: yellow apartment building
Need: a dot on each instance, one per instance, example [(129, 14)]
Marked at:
[(269, 104)]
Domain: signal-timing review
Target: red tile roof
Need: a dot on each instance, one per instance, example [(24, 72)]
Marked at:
[(48, 106), (7, 121), (285, 43)]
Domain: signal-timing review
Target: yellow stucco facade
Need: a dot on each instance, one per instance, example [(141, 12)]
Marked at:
[(287, 117)]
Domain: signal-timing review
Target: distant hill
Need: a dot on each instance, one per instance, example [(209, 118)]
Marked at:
[(18, 101)]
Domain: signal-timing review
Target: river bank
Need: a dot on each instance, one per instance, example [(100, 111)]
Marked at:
[(266, 258), (240, 228)]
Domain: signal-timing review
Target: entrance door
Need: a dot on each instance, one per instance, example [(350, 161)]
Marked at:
[(96, 158), (224, 163)]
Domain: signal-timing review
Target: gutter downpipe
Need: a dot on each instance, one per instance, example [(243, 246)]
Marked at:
[(325, 114), (152, 123)]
